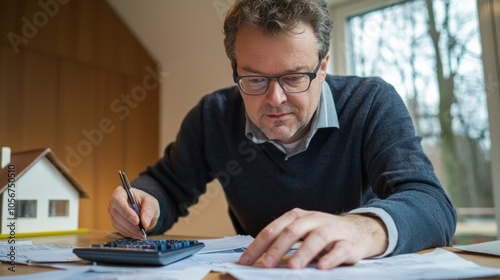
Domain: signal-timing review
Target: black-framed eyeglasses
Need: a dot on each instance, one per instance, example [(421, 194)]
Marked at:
[(290, 83)]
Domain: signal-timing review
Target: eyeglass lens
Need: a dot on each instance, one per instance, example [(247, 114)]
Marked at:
[(292, 83)]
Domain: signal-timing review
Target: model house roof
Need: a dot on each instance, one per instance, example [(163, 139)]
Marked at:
[(25, 159)]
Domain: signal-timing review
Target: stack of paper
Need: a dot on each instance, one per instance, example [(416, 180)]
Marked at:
[(222, 254), (490, 248), (228, 244), (27, 253), (439, 264)]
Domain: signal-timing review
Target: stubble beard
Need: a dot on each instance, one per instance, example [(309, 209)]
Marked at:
[(280, 130)]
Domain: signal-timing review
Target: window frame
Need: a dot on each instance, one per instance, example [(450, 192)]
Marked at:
[(56, 204), (20, 205), (489, 26)]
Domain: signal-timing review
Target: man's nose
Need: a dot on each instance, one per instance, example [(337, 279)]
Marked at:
[(275, 94)]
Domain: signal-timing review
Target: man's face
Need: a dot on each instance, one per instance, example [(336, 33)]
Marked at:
[(281, 116)]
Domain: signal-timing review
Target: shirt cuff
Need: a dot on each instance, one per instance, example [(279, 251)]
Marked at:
[(392, 231)]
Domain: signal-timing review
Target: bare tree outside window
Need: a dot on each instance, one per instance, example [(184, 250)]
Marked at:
[(430, 50)]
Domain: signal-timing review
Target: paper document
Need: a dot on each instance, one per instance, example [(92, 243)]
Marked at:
[(28, 253), (229, 244), (191, 273), (220, 256), (91, 273), (439, 264), (490, 248), (72, 273)]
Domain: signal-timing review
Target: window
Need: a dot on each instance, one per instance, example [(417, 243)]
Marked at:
[(431, 51), (26, 208), (58, 208)]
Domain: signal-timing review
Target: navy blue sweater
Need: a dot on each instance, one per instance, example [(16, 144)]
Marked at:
[(374, 159)]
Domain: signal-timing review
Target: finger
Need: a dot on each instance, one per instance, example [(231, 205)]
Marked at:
[(342, 252), (123, 217), (119, 202), (150, 211), (315, 242), (313, 226), (121, 224), (124, 227), (267, 236)]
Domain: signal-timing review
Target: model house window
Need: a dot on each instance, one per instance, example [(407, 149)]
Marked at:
[(26, 208), (58, 208), (431, 52)]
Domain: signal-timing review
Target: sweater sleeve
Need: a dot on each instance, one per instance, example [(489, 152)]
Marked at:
[(402, 177), (180, 176)]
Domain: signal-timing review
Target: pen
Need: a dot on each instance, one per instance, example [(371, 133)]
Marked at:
[(126, 186)]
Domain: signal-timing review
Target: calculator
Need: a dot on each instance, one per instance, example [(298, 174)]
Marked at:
[(139, 252)]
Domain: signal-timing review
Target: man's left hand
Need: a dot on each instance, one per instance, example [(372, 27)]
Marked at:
[(331, 239)]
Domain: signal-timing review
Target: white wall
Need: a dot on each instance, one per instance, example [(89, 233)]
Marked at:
[(29, 186), (185, 37)]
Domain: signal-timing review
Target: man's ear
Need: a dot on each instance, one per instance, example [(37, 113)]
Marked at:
[(324, 66)]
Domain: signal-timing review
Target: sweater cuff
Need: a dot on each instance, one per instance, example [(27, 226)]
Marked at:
[(392, 231)]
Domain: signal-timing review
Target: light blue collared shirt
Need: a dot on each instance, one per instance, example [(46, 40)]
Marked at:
[(326, 116)]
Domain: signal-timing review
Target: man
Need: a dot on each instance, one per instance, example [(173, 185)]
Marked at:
[(301, 155)]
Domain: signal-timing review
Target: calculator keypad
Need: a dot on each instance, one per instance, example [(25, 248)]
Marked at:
[(140, 252), (159, 245)]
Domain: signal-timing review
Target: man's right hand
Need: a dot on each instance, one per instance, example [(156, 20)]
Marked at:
[(123, 217)]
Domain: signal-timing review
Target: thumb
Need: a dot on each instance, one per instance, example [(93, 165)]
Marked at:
[(150, 211)]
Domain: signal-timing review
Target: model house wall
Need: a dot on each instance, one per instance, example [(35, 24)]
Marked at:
[(42, 183), (38, 194)]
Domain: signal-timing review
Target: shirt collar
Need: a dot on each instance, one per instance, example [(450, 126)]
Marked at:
[(325, 117)]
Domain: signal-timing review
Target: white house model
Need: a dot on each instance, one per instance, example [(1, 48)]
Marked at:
[(38, 195)]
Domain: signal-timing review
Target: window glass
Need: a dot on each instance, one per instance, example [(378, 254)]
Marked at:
[(431, 52), (26, 208), (58, 208)]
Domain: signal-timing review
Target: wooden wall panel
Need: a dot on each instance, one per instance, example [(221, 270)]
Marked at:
[(108, 40), (141, 131), (10, 15), (88, 31), (61, 87), (28, 90), (92, 136), (110, 153), (78, 104)]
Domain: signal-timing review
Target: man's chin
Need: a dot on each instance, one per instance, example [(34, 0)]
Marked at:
[(280, 136)]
